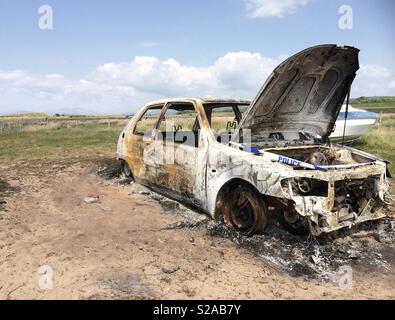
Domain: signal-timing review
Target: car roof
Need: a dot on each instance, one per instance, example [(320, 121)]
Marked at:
[(202, 100)]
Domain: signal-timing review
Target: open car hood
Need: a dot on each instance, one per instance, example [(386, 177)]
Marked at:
[(302, 95)]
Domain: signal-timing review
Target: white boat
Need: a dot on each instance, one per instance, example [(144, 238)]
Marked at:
[(358, 123)]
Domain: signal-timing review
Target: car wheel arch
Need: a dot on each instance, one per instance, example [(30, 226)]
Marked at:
[(228, 185), (126, 169)]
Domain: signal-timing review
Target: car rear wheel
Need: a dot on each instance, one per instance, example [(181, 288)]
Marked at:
[(245, 210)]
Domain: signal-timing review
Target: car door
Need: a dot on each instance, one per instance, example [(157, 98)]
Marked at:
[(139, 140), (180, 153)]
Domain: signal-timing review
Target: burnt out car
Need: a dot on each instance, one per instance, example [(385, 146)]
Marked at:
[(245, 161)]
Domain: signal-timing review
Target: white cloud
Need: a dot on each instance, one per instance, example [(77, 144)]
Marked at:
[(373, 71), (236, 73), (11, 75), (125, 87), (372, 80), (273, 8)]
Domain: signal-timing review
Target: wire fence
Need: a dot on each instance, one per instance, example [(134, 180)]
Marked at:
[(22, 125)]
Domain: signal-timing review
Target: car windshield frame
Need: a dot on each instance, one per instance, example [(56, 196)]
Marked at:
[(217, 105), (238, 114)]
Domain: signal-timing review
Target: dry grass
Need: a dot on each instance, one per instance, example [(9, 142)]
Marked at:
[(380, 140), (60, 142)]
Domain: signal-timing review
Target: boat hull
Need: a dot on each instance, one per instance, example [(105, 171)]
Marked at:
[(357, 124), (354, 129)]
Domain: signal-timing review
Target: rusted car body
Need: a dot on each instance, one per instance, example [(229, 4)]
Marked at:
[(273, 156)]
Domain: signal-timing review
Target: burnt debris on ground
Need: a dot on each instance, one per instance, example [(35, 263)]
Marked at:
[(109, 169), (6, 190), (320, 257), (369, 246)]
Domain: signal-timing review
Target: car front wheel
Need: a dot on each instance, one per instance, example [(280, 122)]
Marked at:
[(245, 210)]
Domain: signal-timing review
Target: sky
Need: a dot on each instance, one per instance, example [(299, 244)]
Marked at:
[(92, 57)]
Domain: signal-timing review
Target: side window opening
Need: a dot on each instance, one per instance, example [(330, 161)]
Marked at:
[(223, 120), (148, 120), (180, 124)]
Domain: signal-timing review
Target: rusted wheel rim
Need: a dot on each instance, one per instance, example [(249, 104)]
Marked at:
[(241, 210)]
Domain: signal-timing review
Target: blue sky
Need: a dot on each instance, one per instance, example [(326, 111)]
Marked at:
[(113, 56)]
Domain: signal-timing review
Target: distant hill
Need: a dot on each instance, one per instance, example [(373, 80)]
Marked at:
[(384, 104), (27, 115), (375, 104)]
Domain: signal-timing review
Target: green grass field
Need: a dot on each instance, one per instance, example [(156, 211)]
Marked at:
[(60, 142), (380, 140)]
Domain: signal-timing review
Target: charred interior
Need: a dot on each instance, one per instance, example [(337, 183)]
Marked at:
[(345, 201), (338, 202), (353, 195)]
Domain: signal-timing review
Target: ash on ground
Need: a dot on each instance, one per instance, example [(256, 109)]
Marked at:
[(369, 246), (109, 169)]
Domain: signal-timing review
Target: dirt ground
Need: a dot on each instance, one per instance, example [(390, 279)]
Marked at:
[(134, 244)]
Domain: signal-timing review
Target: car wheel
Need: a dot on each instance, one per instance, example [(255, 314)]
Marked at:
[(245, 210), (126, 170)]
